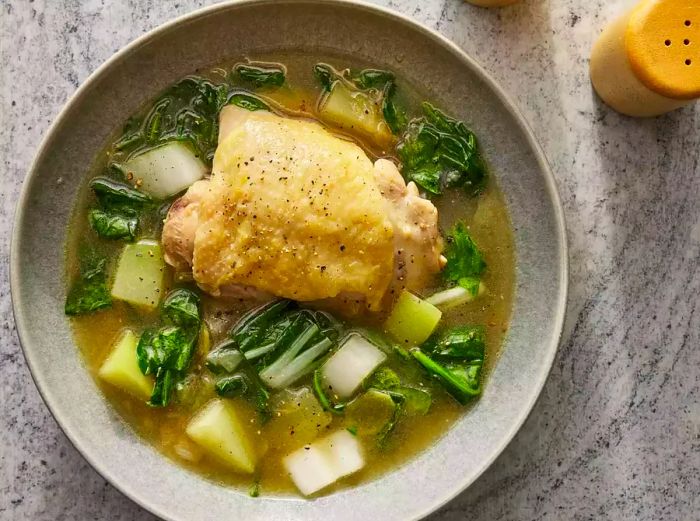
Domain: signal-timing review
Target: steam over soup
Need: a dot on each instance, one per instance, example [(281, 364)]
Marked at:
[(291, 277)]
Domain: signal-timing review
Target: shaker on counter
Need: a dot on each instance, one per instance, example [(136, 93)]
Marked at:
[(647, 62)]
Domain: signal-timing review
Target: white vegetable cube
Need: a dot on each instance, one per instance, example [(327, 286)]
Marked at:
[(343, 451), (310, 469), (324, 462), (220, 430), (140, 274), (412, 320), (348, 367), (166, 170), (121, 368)]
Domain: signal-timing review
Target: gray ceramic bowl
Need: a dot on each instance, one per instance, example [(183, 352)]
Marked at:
[(206, 38)]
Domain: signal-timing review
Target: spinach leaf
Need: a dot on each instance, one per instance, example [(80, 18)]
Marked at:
[(162, 390), (461, 342), (326, 75), (160, 348), (186, 351), (188, 111), (245, 384), (461, 379), (168, 351), (465, 263), (456, 359), (114, 225), (232, 386), (259, 395), (89, 291), (119, 206), (271, 75), (417, 147), (182, 308), (248, 102), (394, 116), (428, 178), (373, 78), (471, 284), (115, 195), (439, 152)]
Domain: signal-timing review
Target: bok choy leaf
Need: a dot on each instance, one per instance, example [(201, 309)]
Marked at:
[(281, 342)]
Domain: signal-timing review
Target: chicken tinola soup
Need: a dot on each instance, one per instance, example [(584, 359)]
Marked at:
[(291, 276)]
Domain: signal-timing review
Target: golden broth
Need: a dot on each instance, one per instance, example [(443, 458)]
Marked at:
[(95, 334)]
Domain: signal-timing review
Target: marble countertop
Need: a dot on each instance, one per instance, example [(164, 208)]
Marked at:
[(616, 433)]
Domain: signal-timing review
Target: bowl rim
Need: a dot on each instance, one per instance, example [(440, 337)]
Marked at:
[(504, 98)]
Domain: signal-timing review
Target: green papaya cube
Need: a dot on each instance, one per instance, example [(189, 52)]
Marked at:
[(220, 430), (121, 368), (412, 320), (354, 110), (140, 274)]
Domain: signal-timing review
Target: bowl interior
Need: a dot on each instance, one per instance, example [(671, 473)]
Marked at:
[(219, 34)]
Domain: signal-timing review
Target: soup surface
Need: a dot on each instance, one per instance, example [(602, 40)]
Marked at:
[(173, 342)]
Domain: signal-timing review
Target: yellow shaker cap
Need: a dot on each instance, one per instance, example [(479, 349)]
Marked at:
[(663, 46)]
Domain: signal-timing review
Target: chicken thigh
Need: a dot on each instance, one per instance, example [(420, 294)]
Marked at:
[(293, 211)]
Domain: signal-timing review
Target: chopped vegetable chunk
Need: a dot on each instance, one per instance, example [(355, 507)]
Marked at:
[(322, 463), (140, 274), (220, 430), (356, 111), (412, 320), (297, 419), (121, 368), (166, 170), (348, 367)]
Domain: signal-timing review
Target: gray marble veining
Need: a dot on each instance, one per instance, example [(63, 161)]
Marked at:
[(616, 433)]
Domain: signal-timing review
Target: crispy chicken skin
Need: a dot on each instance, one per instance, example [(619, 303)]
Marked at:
[(293, 211)]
